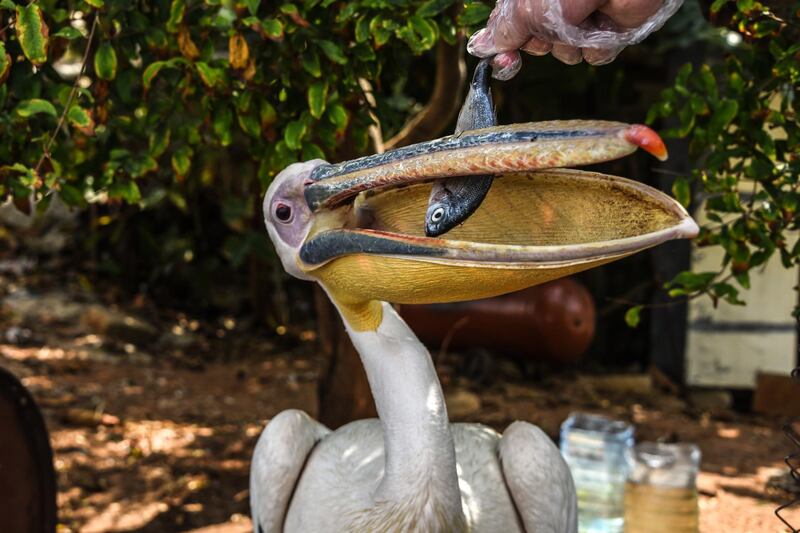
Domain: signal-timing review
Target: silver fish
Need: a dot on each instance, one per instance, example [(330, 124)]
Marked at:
[(453, 200)]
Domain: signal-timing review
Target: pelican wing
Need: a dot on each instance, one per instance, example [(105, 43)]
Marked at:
[(538, 479), (278, 461)]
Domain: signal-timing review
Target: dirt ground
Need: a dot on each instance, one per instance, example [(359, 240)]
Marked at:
[(153, 423)]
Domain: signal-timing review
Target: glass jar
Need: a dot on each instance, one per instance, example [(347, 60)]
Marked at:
[(661, 492), (595, 449)]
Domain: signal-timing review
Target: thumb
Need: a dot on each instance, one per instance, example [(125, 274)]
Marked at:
[(508, 28)]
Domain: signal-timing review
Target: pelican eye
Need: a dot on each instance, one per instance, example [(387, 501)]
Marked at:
[(437, 214), (283, 212)]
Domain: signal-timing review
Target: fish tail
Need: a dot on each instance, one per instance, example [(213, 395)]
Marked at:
[(482, 72)]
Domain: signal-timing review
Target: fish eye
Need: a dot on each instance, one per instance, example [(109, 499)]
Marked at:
[(283, 212), (437, 214)]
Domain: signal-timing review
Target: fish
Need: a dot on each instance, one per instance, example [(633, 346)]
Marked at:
[(453, 200)]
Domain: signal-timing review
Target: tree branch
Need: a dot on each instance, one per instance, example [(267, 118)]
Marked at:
[(73, 92), (375, 133), (445, 101)]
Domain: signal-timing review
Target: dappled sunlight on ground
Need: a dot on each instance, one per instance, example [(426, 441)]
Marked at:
[(158, 437)]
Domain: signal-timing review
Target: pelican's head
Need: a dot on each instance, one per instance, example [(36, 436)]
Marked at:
[(358, 227), (287, 215)]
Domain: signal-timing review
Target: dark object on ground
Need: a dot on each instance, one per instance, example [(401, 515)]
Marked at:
[(27, 478), (553, 322), (776, 394), (792, 431)]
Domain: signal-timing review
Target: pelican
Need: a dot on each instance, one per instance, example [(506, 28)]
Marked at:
[(355, 229)]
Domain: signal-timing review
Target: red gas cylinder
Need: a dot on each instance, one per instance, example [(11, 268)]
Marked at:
[(550, 322)]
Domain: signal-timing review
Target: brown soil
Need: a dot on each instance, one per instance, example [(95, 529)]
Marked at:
[(160, 440)]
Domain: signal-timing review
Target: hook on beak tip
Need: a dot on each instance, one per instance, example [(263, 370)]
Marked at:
[(646, 139)]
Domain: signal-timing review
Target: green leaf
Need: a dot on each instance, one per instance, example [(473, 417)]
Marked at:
[(182, 160), (178, 200), (723, 116), (177, 11), (426, 30), (158, 141), (333, 52), (293, 134), (268, 115), (223, 120), (105, 62), (709, 84), (337, 114), (152, 71), (17, 168), (410, 37), (692, 281), (347, 12), (252, 6), (682, 79), (224, 19), (125, 189), (362, 29), (141, 165), (35, 106), (311, 63), (448, 31), (69, 33), (317, 98), (687, 117), (32, 33), (70, 194), (381, 30), (156, 39), (7, 4), (95, 3), (282, 156), (5, 64), (717, 5), (211, 76), (273, 28), (698, 104), (727, 292), (249, 123), (431, 8), (312, 151), (743, 278), (633, 316), (364, 53), (81, 119), (682, 191), (474, 13)]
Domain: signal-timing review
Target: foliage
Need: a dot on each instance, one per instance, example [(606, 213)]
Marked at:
[(177, 103), (741, 119)]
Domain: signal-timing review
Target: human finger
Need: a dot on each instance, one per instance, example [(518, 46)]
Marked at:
[(506, 65), (566, 53), (537, 47)]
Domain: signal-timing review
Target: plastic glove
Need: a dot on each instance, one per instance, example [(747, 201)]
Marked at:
[(572, 30)]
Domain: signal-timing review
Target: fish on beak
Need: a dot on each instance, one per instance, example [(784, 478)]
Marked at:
[(355, 226), (454, 199)]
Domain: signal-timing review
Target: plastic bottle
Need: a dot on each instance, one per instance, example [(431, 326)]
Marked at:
[(595, 449)]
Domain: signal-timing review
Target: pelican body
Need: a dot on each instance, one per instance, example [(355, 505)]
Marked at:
[(354, 228)]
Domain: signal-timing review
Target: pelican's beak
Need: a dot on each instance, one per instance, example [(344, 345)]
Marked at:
[(368, 242)]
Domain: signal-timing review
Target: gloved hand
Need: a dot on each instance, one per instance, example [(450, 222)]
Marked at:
[(572, 30)]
